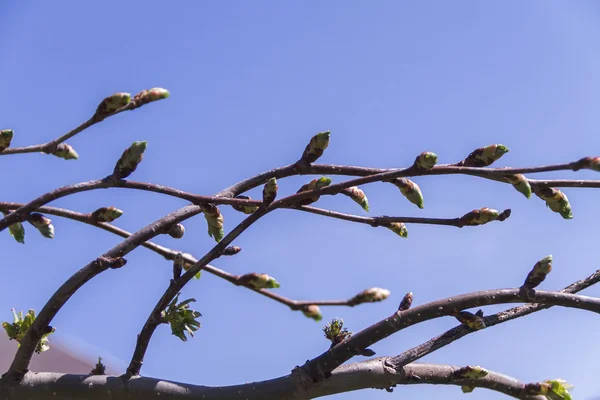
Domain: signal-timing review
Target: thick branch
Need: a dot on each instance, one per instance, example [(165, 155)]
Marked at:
[(461, 331), (322, 365), (110, 259), (364, 375)]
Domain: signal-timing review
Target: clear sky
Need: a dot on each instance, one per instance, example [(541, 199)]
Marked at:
[(250, 83)]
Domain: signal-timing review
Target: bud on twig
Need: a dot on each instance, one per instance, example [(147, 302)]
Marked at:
[(406, 302), (316, 147), (106, 214), (426, 160), (112, 103), (270, 191), (358, 196), (129, 160), (187, 265), (231, 250), (16, 230), (336, 332), (471, 320), (410, 190), (555, 389), (315, 184), (66, 152), (214, 219), (244, 209), (556, 200), (484, 156), (258, 281), (538, 273), (147, 96), (6, 136), (520, 183), (99, 369), (176, 231), (371, 295), (398, 228), (42, 224), (177, 266), (470, 372), (467, 389), (592, 163), (483, 216), (313, 312)]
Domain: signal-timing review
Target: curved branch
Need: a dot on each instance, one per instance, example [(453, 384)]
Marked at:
[(363, 375), (460, 331), (322, 365), (111, 259)]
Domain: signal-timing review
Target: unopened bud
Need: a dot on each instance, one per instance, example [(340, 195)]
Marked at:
[(176, 231), (106, 214), (359, 197), (66, 152), (313, 312), (6, 136), (316, 147), (112, 103), (426, 160), (371, 295), (130, 159)]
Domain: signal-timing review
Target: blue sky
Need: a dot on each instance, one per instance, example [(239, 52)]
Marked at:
[(250, 83)]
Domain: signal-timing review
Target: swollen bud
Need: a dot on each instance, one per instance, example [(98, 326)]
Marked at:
[(106, 214), (484, 156), (371, 295), (592, 163), (313, 312), (176, 231), (471, 320), (258, 281), (410, 190), (187, 264), (177, 266), (244, 209), (16, 230), (554, 389), (112, 103), (467, 389), (129, 160), (316, 147), (426, 160), (406, 302), (214, 219), (471, 372), (480, 217), (556, 200), (270, 191), (358, 196), (231, 250), (315, 184), (336, 332), (6, 136), (66, 152), (42, 224), (147, 96), (398, 228), (538, 273), (520, 183)]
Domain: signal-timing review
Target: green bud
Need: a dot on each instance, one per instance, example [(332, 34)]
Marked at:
[(150, 95), (6, 136), (358, 196), (471, 320), (538, 274), (43, 344), (316, 147), (112, 103), (336, 332), (130, 160), (556, 200), (187, 265), (484, 156), (66, 152), (16, 230), (467, 389), (555, 389), (398, 228), (480, 217), (315, 184), (406, 302), (370, 296), (426, 160), (106, 214), (42, 224), (520, 183), (176, 231), (244, 209), (592, 163), (258, 281), (270, 191), (410, 190), (470, 372), (313, 312), (214, 219)]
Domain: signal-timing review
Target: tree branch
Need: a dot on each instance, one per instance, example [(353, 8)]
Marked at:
[(461, 331), (321, 366), (363, 375)]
